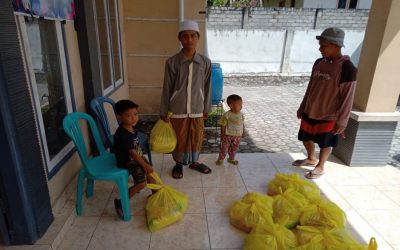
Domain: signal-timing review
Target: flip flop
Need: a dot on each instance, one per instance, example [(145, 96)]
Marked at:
[(303, 162), (312, 175), (202, 168), (177, 172)]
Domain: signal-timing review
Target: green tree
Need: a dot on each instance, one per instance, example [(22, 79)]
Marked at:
[(217, 3), (244, 3)]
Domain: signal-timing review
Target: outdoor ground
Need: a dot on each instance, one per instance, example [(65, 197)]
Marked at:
[(370, 196), (269, 105)]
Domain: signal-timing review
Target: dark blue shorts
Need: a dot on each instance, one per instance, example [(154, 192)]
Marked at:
[(137, 172)]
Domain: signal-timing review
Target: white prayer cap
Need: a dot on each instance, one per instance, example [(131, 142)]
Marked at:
[(189, 25)]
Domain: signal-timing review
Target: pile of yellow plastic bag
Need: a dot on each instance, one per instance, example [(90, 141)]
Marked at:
[(330, 239), (288, 207), (165, 207), (270, 237), (253, 209), (323, 213), (162, 137), (295, 182), (301, 219)]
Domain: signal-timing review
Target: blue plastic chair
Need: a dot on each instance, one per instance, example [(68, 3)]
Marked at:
[(102, 167), (97, 106)]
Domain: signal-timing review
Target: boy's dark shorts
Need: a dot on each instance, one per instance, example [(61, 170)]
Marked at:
[(137, 172)]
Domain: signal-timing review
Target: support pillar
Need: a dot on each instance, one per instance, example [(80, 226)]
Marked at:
[(373, 119)]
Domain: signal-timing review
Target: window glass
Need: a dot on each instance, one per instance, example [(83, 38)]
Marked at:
[(342, 4), (103, 34), (44, 51), (353, 4)]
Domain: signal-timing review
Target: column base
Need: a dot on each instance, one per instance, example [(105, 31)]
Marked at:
[(368, 139)]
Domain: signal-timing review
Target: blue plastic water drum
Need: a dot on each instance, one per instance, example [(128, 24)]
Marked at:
[(217, 81)]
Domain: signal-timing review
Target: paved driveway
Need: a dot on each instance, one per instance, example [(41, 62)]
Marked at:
[(269, 105)]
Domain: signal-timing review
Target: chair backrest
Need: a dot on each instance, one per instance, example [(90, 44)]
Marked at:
[(97, 106), (74, 131)]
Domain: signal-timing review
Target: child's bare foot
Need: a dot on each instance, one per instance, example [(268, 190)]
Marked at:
[(233, 161), (219, 162)]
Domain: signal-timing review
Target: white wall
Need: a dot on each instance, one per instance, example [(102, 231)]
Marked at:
[(305, 48), (320, 4), (364, 4), (246, 51), (261, 51)]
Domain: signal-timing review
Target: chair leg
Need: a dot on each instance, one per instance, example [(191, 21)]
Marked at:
[(79, 192), (144, 142), (89, 188), (149, 153), (123, 194)]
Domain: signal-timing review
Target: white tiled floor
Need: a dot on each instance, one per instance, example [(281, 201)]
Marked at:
[(369, 196)]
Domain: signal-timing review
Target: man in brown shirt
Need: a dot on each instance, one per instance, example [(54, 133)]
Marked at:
[(326, 106)]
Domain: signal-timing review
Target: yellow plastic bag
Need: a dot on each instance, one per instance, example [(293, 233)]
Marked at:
[(323, 213), (253, 209), (320, 238), (165, 207), (288, 207), (260, 242), (162, 137), (274, 236), (295, 182)]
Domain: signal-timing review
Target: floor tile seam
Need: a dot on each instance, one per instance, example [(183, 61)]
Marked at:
[(269, 168), (109, 198), (111, 216), (162, 164), (151, 236), (235, 187), (267, 176), (341, 196), (205, 210), (65, 227), (358, 213), (226, 186), (90, 240), (197, 212), (396, 202), (384, 193), (91, 237), (356, 186), (375, 229), (99, 217)]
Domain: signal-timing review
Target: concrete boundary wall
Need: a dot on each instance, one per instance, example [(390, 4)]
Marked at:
[(285, 18), (277, 40), (285, 52)]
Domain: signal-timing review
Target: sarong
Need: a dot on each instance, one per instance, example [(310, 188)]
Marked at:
[(189, 135)]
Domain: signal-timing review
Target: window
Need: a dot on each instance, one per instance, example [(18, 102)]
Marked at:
[(109, 38), (347, 4), (45, 62)]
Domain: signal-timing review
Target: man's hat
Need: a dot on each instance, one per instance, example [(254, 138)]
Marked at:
[(189, 25), (333, 35)]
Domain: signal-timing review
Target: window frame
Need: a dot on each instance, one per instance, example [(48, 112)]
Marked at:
[(52, 164), (116, 83)]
